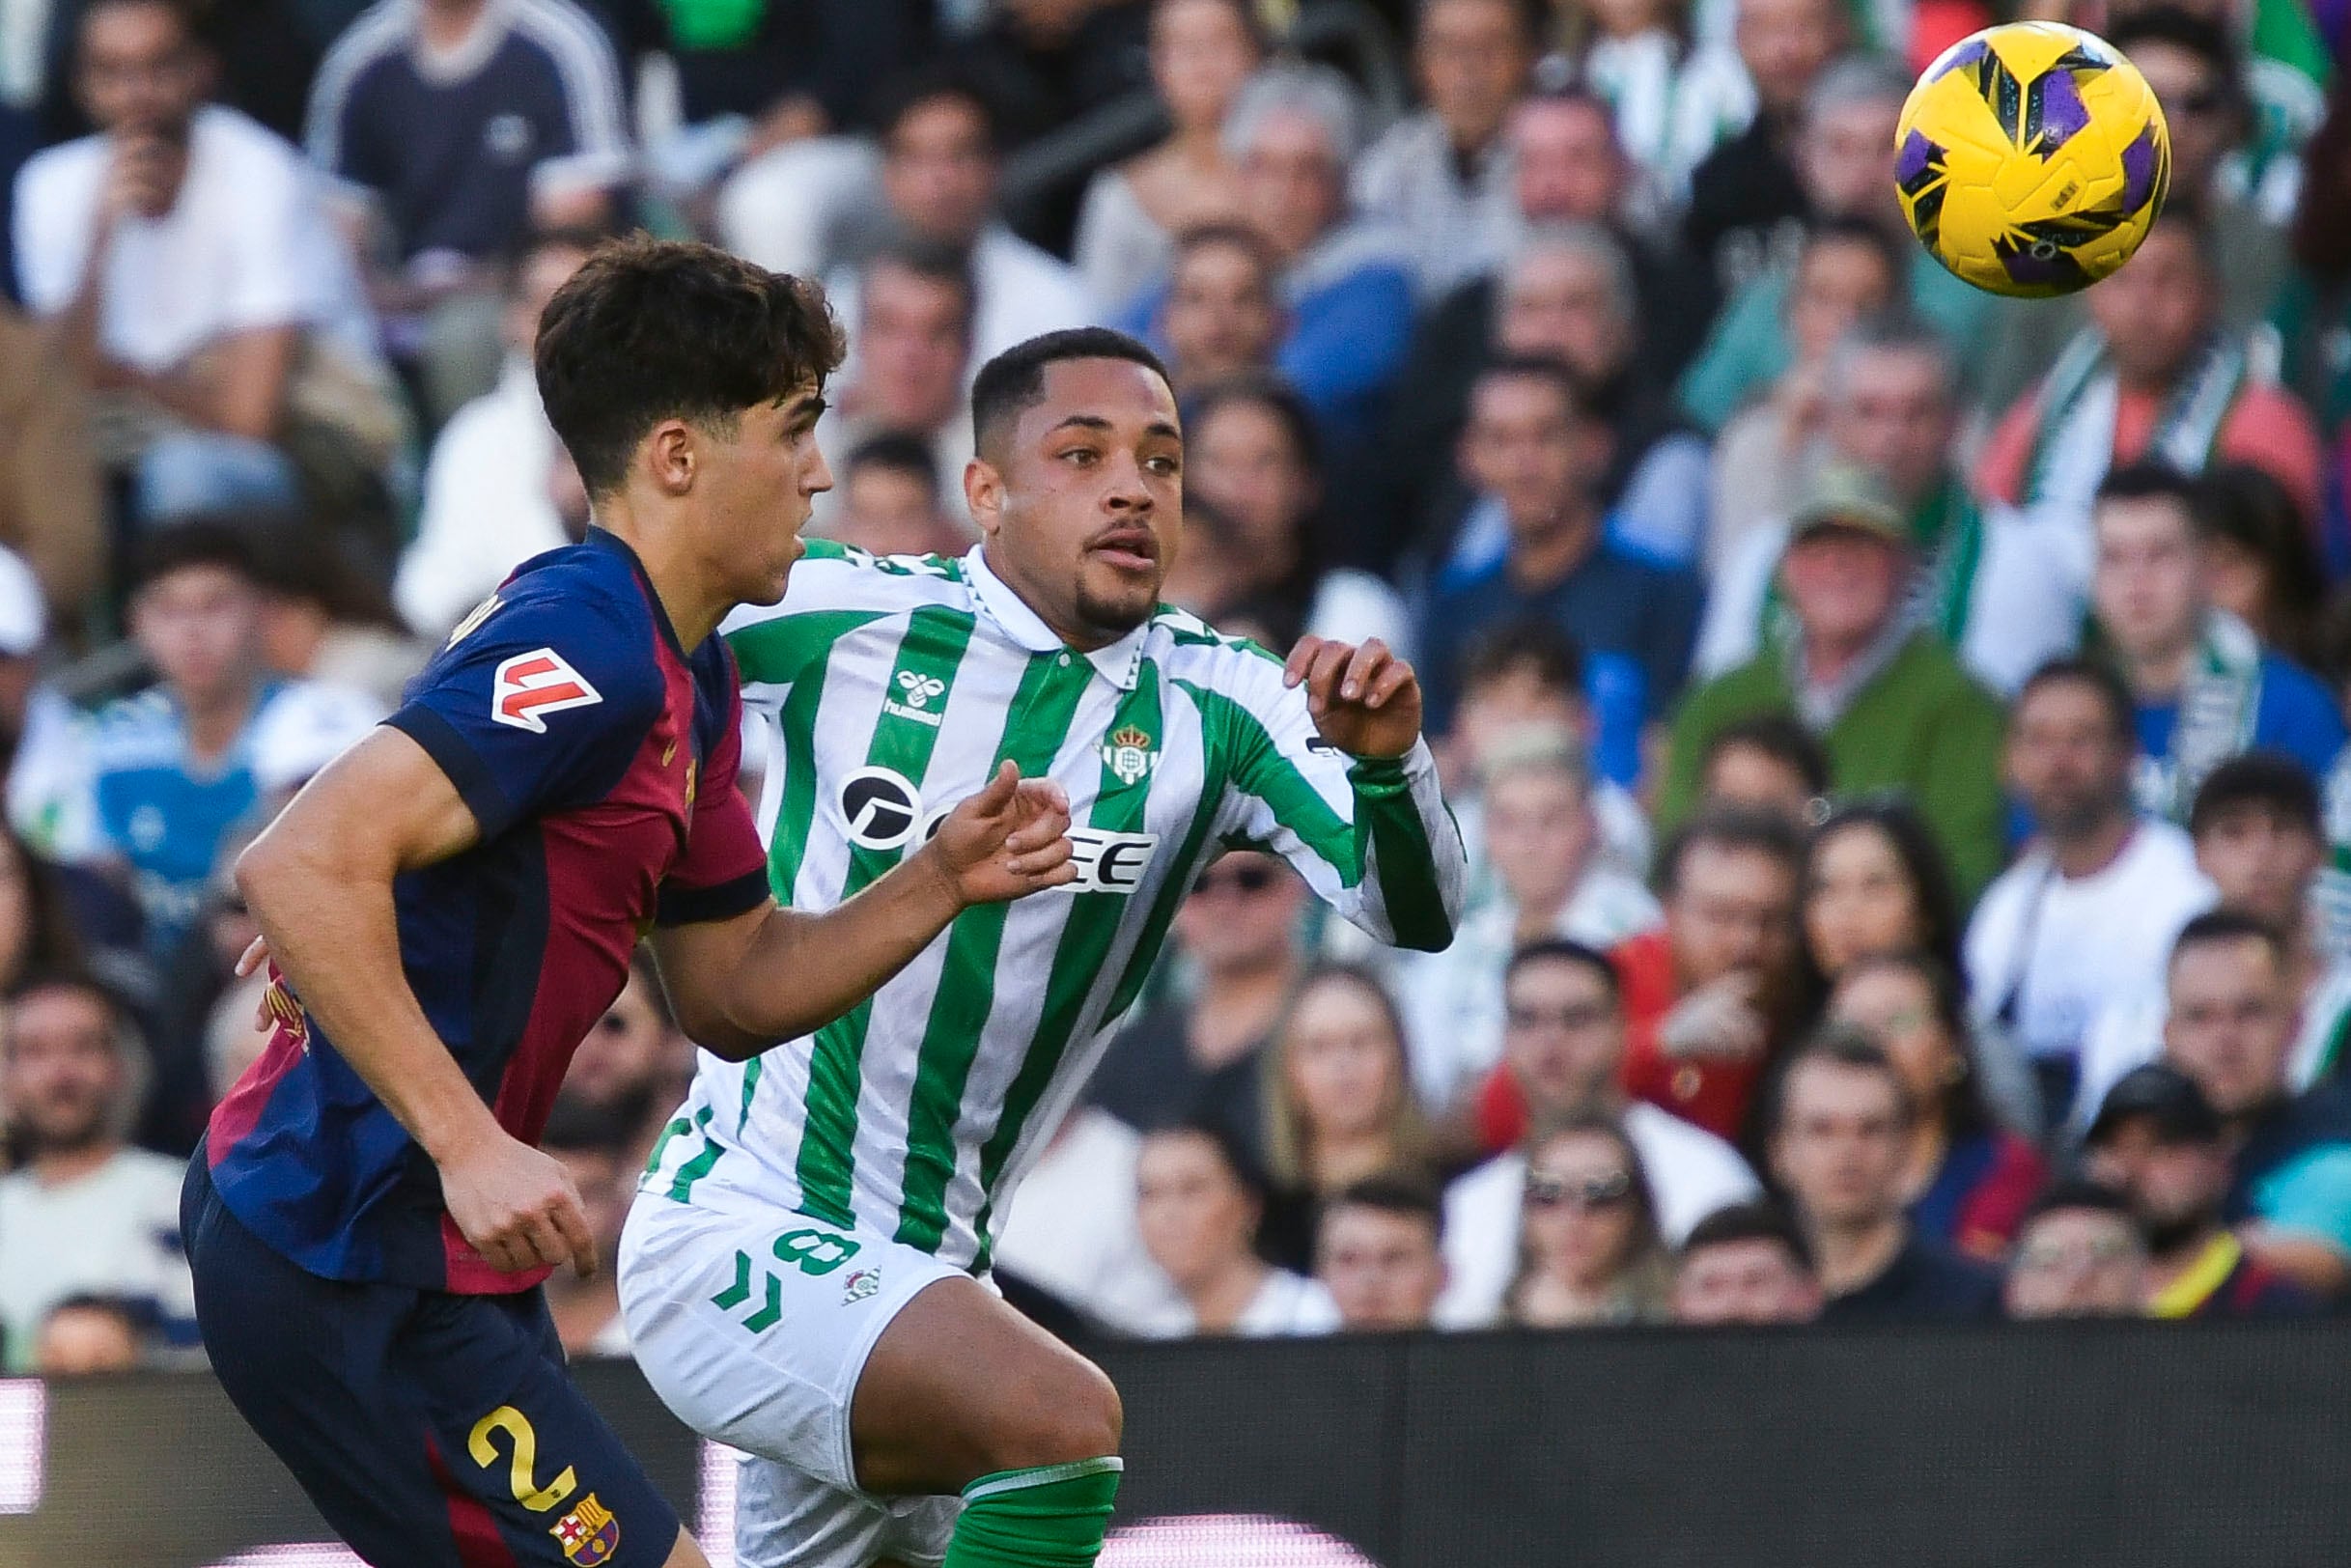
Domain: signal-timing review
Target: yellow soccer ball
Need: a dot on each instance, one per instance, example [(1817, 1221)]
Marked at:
[(2031, 159)]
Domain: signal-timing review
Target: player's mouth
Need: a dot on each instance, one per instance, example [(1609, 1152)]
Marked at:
[(1127, 549)]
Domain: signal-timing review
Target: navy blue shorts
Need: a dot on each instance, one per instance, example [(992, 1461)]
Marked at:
[(433, 1430)]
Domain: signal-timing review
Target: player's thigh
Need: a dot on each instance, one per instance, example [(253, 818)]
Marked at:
[(753, 1328), (785, 1517), (962, 1385)]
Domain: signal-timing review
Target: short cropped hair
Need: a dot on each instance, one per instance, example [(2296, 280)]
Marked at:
[(2099, 677), (1729, 828), (225, 539), (1393, 1193), (2216, 928), (651, 330), (1014, 380), (895, 452), (1758, 1220), (2271, 780), (1566, 950), (1841, 1045), (1780, 737), (1528, 643)]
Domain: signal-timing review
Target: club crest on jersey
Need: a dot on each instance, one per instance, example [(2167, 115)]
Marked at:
[(531, 686), (919, 690), (588, 1534), (861, 1286), (1128, 754)]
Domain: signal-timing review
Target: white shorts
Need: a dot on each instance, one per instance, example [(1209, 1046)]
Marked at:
[(755, 1329)]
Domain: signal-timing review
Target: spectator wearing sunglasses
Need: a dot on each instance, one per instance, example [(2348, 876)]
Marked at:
[(1194, 1057), (1745, 1264), (1564, 1052), (1590, 1249), (1839, 1144), (2079, 1255)]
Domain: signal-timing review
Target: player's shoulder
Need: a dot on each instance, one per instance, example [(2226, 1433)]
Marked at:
[(1191, 649), (834, 589), (574, 618)]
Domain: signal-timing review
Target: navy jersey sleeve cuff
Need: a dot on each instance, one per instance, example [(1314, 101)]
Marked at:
[(722, 901), (475, 785)]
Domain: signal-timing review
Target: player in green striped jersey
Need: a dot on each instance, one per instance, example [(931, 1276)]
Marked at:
[(804, 1268)]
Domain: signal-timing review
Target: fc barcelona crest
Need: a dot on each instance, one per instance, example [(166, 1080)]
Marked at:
[(588, 1534), (1128, 754)]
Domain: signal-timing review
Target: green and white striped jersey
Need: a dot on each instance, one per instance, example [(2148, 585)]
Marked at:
[(897, 687)]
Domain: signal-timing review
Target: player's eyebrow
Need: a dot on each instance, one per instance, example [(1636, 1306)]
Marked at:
[(1161, 427), (1093, 422)]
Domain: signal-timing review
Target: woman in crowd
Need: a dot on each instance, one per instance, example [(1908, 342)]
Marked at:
[(1198, 1206), (1875, 882), (1201, 52), (1970, 1179), (1589, 1250), (1252, 454), (1339, 1104), (2261, 563)]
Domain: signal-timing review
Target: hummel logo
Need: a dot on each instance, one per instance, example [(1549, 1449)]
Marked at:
[(919, 688)]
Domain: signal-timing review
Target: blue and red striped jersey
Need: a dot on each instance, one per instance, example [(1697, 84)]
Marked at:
[(599, 759)]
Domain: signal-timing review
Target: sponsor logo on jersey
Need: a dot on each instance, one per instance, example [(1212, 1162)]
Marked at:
[(881, 808), (529, 686), (1128, 753), (920, 689), (1109, 863), (588, 1534)]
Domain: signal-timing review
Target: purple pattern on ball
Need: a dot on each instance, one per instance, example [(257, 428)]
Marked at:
[(2035, 270), (2063, 114), (2139, 161), (1969, 53), (1915, 154)]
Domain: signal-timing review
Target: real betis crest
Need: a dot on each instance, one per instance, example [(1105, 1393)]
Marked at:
[(1128, 754)]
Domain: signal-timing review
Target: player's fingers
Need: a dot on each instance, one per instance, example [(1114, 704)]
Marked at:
[(540, 1242), (1393, 677), (1362, 670), (570, 1222), (1036, 863), (1041, 797), (1322, 678), (251, 957), (1000, 792), (1300, 659), (1032, 836)]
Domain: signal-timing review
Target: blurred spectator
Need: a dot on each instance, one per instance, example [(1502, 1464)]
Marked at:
[(2085, 919), (1840, 1135), (1675, 101), (2156, 375), (1846, 271), (327, 619), (1197, 1207), (2203, 684), (1745, 1265), (941, 146), (1050, 62), (1251, 451), (1220, 318), (2312, 316), (1130, 226), (1070, 1237), (914, 305), (1886, 697), (1535, 452), (1746, 189), (630, 1070), (186, 262), (489, 503), (2257, 557), (1589, 1249), (1346, 284), (2078, 1255), (591, 1145), (1874, 884), (1339, 1106), (82, 1211), (459, 126), (1197, 1057), (1846, 165), (50, 503), (1769, 764), (1970, 1179), (1442, 176), (1379, 1253), (2159, 1142), (1542, 845), (1564, 1058), (88, 1332), (890, 499)]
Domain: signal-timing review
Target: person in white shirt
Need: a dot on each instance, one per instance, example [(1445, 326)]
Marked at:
[(2087, 917), (84, 1214), (186, 262), (1380, 1252), (905, 374), (489, 500), (1564, 1041), (1542, 848), (1065, 1238), (1197, 1208)]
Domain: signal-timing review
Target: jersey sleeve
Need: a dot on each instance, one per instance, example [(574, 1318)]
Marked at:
[(539, 707), (836, 588), (723, 873), (1371, 835)]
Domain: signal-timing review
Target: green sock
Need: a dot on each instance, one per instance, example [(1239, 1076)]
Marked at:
[(1052, 1517)]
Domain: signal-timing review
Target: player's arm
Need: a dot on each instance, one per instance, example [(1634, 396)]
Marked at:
[(1333, 771), (740, 984), (319, 882)]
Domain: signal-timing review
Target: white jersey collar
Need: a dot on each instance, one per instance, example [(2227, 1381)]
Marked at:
[(1121, 664)]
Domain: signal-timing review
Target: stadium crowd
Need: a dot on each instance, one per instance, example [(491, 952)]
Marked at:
[(1900, 732)]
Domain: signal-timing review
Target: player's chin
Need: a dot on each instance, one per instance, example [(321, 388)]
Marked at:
[(1117, 601)]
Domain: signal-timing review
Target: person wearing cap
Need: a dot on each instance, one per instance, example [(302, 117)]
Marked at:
[(2001, 591), (2078, 1254), (2159, 1142), (1886, 697)]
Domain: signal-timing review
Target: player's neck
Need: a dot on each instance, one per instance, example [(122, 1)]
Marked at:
[(689, 593)]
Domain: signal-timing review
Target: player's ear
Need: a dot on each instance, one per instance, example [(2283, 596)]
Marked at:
[(984, 494), (671, 455)]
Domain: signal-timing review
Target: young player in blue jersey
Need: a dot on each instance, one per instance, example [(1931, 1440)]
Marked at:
[(452, 905)]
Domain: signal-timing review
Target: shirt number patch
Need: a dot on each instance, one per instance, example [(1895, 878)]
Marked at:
[(531, 686)]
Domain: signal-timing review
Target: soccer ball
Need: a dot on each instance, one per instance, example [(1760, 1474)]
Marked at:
[(2031, 159)]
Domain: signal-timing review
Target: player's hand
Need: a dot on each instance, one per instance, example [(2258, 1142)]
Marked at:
[(1365, 700), (1009, 840), (518, 1208), (1720, 1022)]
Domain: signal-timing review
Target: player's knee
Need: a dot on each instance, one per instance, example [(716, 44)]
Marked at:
[(1075, 1415)]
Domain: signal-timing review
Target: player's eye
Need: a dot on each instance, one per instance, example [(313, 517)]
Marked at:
[(1084, 457), (1164, 464)]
